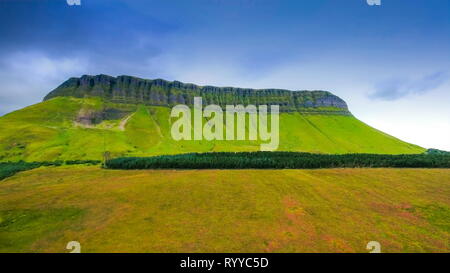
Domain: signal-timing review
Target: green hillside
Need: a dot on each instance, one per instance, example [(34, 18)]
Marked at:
[(84, 128)]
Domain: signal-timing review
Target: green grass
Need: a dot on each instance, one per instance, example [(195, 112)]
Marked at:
[(47, 131), (331, 210), (20, 227), (439, 216), (142, 131)]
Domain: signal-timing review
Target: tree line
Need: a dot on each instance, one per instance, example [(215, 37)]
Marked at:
[(279, 160), (8, 169)]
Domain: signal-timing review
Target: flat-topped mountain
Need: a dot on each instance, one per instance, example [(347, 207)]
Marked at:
[(127, 89), (126, 116)]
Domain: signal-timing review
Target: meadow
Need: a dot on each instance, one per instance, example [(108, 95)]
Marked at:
[(48, 197), (326, 210)]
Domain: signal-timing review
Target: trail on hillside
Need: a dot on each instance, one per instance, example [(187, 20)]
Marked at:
[(123, 122)]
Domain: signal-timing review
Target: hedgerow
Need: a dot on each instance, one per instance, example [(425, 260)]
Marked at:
[(8, 169), (278, 160)]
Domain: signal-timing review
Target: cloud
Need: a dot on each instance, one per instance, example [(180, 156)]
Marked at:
[(394, 89), (28, 76), (430, 82)]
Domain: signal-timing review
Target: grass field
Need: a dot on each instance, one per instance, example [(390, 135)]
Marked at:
[(48, 131), (332, 210)]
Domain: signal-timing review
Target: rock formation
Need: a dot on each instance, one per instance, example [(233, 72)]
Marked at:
[(132, 90)]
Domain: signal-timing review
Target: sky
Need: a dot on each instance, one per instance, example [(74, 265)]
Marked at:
[(390, 63)]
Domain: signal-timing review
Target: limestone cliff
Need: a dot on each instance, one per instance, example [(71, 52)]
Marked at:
[(132, 90)]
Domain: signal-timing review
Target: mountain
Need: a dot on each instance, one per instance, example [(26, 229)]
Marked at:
[(128, 116), (132, 90)]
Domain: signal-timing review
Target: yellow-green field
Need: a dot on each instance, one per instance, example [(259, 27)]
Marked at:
[(333, 210)]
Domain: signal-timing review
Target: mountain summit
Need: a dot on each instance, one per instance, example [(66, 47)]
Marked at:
[(127, 89)]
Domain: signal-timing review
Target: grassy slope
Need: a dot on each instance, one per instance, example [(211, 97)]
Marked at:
[(46, 131), (333, 210)]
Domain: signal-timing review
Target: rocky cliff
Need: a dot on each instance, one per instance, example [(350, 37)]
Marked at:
[(132, 90)]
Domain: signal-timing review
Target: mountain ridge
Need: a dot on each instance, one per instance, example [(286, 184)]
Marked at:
[(159, 92)]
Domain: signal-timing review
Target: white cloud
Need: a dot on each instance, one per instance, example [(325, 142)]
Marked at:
[(26, 77)]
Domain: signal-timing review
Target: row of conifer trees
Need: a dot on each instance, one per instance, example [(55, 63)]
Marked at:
[(8, 169), (279, 160)]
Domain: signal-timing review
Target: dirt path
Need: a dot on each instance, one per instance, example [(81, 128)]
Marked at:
[(123, 122)]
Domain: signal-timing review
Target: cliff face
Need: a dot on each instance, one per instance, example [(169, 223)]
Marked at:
[(127, 89)]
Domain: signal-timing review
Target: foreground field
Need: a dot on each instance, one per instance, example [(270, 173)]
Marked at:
[(333, 210)]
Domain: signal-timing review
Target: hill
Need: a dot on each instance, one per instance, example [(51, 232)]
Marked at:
[(332, 210), (127, 116)]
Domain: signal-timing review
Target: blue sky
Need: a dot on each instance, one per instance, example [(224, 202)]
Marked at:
[(391, 63)]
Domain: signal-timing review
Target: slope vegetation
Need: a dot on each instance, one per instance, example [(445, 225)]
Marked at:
[(66, 128)]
